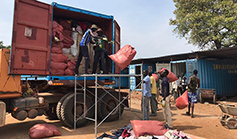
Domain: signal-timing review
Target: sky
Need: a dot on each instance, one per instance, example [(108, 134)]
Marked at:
[(144, 24)]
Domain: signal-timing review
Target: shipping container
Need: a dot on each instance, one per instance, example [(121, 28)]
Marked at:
[(220, 75), (32, 34), (124, 81)]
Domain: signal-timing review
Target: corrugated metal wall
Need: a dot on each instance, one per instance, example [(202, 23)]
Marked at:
[(132, 79), (149, 66), (218, 74), (124, 81)]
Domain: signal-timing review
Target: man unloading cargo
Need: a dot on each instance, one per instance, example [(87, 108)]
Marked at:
[(193, 85), (100, 51), (83, 47)]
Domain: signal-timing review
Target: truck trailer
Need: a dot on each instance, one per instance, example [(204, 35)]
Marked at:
[(28, 89)]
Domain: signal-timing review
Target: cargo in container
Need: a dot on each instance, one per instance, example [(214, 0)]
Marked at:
[(32, 34)]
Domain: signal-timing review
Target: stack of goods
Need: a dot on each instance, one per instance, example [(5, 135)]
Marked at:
[(67, 35), (58, 59)]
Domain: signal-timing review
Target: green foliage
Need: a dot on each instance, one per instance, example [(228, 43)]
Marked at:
[(209, 24), (2, 46)]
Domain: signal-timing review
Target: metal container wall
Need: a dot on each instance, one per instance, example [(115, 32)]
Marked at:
[(149, 67), (132, 79), (124, 81), (220, 75)]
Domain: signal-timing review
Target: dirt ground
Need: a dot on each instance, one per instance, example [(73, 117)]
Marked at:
[(205, 124)]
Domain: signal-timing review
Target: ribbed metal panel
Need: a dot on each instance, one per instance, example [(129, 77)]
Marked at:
[(146, 66), (220, 75), (132, 79), (124, 81)]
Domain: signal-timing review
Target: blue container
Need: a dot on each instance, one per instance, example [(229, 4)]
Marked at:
[(124, 81), (220, 75)]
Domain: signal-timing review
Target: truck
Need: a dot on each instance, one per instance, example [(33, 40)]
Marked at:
[(28, 89)]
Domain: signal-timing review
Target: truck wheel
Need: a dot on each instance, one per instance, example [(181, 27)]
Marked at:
[(107, 105), (59, 104), (51, 113), (231, 123), (67, 110)]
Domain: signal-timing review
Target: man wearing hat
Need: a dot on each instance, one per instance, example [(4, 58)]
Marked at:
[(99, 49), (83, 47)]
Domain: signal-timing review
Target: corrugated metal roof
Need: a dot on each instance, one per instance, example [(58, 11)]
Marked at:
[(224, 53)]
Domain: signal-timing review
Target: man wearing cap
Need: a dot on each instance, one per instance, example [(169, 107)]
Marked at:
[(99, 51), (83, 47)]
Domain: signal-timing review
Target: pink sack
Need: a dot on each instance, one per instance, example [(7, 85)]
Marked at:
[(58, 33), (124, 56), (182, 101), (70, 65), (57, 50), (68, 39), (58, 57), (58, 65), (57, 72), (150, 127), (171, 76), (57, 44), (39, 131), (67, 32), (65, 24), (69, 72), (73, 62), (57, 25)]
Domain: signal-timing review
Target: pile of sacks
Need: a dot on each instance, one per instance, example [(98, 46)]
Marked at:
[(62, 41), (139, 129)]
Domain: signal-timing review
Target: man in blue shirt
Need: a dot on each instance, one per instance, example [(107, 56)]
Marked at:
[(165, 90), (146, 94), (83, 47)]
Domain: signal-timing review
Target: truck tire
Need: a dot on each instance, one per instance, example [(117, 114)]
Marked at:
[(67, 110), (107, 105), (59, 104), (51, 113)]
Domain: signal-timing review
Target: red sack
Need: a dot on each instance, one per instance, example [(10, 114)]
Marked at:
[(58, 65), (66, 45), (57, 50), (73, 62), (58, 33), (171, 76), (155, 76), (70, 65), (68, 39), (182, 101), (67, 32), (150, 127), (65, 24), (69, 72), (57, 25), (124, 56), (58, 57), (39, 131), (57, 44), (57, 72)]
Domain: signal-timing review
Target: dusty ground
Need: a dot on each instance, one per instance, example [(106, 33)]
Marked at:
[(206, 123)]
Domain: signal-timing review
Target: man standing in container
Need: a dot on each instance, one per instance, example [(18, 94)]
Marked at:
[(83, 47), (166, 98), (146, 94), (153, 100), (193, 85), (99, 49)]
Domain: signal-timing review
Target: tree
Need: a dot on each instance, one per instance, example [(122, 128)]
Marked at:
[(209, 24), (2, 46)]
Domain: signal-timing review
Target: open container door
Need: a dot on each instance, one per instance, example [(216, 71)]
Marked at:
[(116, 43), (30, 51)]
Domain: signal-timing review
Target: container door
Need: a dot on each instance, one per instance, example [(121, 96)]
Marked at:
[(116, 43), (30, 52), (191, 64)]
